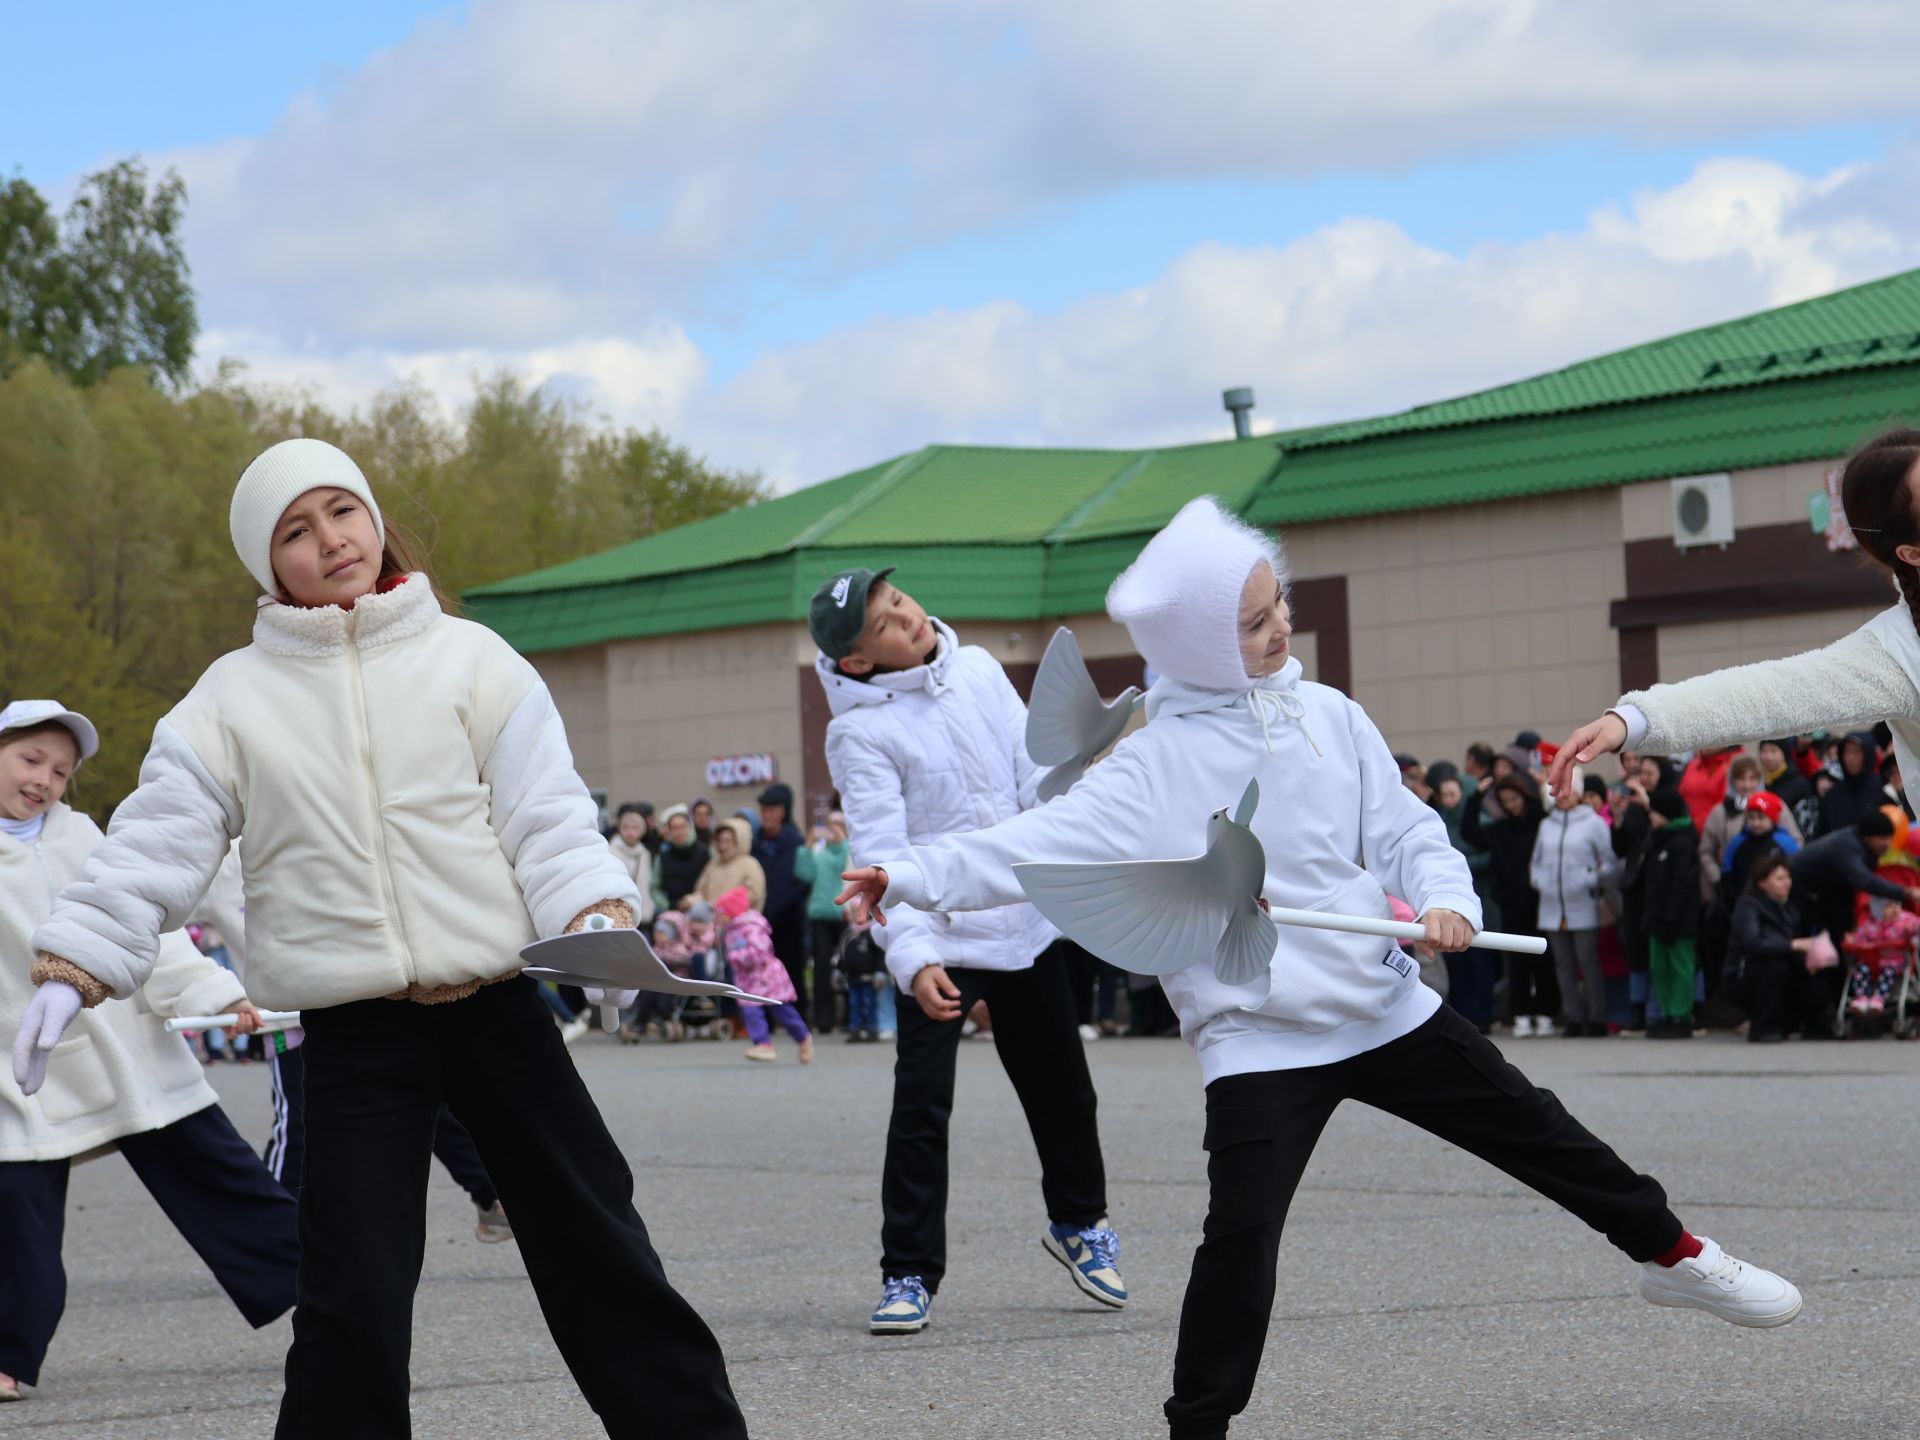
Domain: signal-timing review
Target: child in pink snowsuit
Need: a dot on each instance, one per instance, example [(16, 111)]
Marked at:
[(748, 943)]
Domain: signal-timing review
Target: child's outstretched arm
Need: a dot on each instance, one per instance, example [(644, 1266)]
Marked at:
[(165, 845), (1403, 840), (1110, 814), (546, 820)]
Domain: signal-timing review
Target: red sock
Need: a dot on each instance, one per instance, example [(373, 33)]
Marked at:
[(1685, 1248)]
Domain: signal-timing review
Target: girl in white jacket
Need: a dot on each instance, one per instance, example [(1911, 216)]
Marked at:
[(1336, 1016), (120, 1082), (1572, 860), (409, 817)]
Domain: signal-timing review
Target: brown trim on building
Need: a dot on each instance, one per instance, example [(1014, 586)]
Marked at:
[(1639, 657), (1767, 570), (814, 779), (1320, 610)]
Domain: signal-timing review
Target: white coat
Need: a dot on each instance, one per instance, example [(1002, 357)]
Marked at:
[(117, 1072), (1572, 862), (408, 812), (919, 754), (1340, 832)]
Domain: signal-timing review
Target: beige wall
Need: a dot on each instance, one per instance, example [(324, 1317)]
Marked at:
[(1467, 623), (1473, 622), (665, 706), (1689, 650)]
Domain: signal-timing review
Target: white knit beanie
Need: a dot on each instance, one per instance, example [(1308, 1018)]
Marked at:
[(1180, 601), (278, 476)]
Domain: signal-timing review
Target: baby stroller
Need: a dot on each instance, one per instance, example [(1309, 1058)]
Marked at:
[(1882, 993), (686, 948)]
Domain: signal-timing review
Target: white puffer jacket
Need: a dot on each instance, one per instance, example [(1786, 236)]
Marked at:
[(407, 808), (117, 1072), (923, 753), (1573, 860)]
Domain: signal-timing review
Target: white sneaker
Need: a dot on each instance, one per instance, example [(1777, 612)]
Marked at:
[(1088, 1032), (1716, 1282), (1522, 1027), (573, 1029), (1543, 1026)]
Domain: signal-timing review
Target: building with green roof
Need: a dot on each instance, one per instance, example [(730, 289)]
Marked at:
[(1504, 560)]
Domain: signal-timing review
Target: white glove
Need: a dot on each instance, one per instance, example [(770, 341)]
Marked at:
[(619, 999), (49, 1013)]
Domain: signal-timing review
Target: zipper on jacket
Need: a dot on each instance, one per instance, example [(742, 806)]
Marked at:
[(373, 798), (1560, 870)]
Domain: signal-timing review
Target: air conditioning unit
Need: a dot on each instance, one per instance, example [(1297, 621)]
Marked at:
[(1702, 511)]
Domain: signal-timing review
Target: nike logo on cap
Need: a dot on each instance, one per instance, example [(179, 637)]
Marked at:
[(840, 588)]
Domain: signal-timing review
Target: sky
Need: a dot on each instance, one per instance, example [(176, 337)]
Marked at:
[(804, 238)]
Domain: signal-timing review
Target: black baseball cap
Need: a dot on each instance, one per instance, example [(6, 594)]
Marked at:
[(839, 610)]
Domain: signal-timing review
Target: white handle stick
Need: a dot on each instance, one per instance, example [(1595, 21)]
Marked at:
[(1401, 930), (269, 1019), (609, 1014)]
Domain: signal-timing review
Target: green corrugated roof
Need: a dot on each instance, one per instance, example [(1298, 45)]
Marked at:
[(998, 533), (1863, 327)]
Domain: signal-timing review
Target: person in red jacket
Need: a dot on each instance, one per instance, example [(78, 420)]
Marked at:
[(1704, 782)]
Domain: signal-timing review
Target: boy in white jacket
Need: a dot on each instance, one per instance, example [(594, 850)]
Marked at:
[(1336, 1016), (928, 738), (123, 1084), (1572, 859), (409, 818)]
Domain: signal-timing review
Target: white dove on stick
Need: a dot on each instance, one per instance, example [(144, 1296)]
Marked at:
[(1067, 721), (1157, 917)]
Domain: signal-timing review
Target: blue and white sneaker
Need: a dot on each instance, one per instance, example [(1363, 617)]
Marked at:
[(903, 1308), (1090, 1255)]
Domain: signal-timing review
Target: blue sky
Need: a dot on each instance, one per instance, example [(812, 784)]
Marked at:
[(800, 238)]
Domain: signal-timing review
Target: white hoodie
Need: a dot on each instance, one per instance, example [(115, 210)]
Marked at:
[(917, 754), (1340, 832)]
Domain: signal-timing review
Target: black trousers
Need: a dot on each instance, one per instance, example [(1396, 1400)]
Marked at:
[(287, 1145), (826, 936), (377, 1074), (790, 944), (211, 1186), (1446, 1078), (1036, 1033)]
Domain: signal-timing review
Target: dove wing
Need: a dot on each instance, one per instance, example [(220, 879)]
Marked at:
[(615, 959), (1152, 917), (1060, 779), (1066, 718)]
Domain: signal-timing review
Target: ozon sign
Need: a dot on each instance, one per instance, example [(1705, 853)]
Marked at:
[(741, 770)]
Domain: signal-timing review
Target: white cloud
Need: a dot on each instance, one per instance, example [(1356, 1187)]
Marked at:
[(1353, 320), (535, 172)]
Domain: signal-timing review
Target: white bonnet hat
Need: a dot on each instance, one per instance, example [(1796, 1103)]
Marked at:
[(278, 476), (1180, 601)]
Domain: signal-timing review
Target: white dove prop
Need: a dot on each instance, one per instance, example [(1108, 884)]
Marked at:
[(1157, 917), (614, 958), (1067, 721)]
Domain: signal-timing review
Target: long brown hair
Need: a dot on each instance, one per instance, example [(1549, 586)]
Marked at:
[(1876, 492), (403, 554)]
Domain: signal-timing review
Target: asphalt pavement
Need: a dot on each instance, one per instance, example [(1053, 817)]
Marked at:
[(1421, 1293)]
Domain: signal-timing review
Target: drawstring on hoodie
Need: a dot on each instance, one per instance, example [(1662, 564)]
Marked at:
[(1285, 703)]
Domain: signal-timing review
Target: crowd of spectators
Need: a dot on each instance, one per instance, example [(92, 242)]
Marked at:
[(1765, 889)]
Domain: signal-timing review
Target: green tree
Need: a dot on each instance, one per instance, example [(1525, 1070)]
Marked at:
[(106, 286)]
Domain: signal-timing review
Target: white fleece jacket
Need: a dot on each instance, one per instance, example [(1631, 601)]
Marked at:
[(1852, 684), (407, 808), (118, 1072), (937, 750), (1340, 829)]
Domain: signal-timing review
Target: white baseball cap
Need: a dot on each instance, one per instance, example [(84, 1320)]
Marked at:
[(23, 713)]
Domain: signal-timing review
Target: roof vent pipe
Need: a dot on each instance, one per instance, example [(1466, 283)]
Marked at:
[(1240, 403)]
